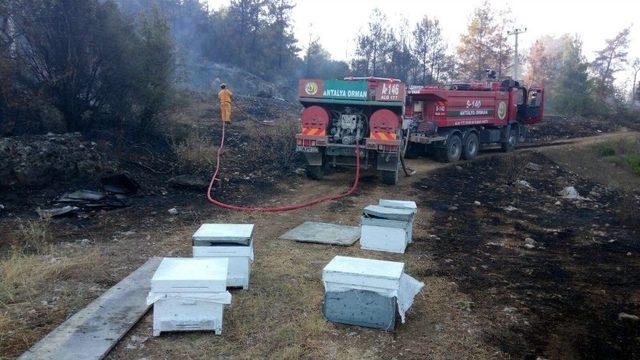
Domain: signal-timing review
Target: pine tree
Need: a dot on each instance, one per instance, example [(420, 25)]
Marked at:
[(373, 50), (244, 21), (318, 63), (156, 67), (610, 60), (571, 92), (401, 61), (429, 50), (485, 44), (281, 34), (635, 66), (92, 63), (475, 49), (539, 69)]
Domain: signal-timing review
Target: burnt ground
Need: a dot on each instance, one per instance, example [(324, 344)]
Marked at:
[(487, 296), (560, 299), (556, 127)]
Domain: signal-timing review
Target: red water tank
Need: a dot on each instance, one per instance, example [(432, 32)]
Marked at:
[(384, 120), (315, 117)]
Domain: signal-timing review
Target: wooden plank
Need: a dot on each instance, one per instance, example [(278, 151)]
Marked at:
[(93, 331)]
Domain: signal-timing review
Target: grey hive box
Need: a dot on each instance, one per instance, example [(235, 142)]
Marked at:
[(231, 241), (360, 292), (367, 292), (386, 229)]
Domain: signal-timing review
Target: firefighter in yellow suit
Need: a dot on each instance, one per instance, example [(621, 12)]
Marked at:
[(225, 103)]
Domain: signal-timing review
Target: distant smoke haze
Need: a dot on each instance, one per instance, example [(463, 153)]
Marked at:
[(336, 22)]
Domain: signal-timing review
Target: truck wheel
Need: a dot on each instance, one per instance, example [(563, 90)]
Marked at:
[(315, 172), (471, 147), (512, 140), (452, 150), (389, 177)]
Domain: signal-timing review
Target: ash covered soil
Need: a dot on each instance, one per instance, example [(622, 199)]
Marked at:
[(550, 276), (557, 127), (490, 292)]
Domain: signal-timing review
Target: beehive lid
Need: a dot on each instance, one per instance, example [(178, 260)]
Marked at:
[(190, 275), (399, 204), (223, 234), (383, 212), (365, 267)]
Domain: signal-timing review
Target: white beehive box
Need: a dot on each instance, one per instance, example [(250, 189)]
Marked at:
[(399, 204), (402, 204), (359, 273), (386, 229), (230, 241), (367, 292), (189, 294)]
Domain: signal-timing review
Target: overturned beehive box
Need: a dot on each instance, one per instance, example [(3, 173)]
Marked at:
[(366, 292), (189, 294), (231, 241), (386, 229)]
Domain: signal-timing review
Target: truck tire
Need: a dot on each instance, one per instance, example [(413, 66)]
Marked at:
[(389, 177), (315, 172), (471, 146), (511, 142), (451, 151)]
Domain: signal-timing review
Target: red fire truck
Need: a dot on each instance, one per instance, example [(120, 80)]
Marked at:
[(342, 115), (455, 121)]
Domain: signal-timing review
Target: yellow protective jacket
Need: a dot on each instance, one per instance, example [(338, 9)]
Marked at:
[(225, 96)]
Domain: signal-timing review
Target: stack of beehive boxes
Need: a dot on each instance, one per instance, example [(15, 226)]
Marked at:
[(387, 226), (230, 241), (189, 294), (367, 292)]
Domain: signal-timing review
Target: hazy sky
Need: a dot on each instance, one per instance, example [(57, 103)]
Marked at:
[(336, 22)]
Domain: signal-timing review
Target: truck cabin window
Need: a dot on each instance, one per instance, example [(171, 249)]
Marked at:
[(534, 99), (520, 97)]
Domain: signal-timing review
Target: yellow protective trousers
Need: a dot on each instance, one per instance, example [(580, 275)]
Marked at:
[(225, 111)]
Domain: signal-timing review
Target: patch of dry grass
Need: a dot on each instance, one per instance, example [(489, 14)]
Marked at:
[(31, 235), (195, 153), (37, 292), (273, 145)]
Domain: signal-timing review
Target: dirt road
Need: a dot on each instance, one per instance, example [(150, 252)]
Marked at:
[(473, 306)]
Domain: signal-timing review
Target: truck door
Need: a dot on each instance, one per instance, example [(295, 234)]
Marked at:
[(534, 106)]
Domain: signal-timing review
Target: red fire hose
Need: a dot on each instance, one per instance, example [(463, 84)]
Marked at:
[(279, 208)]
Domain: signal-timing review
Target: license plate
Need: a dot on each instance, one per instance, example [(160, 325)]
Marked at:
[(307, 149)]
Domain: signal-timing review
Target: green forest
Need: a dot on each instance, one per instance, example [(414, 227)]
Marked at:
[(85, 65)]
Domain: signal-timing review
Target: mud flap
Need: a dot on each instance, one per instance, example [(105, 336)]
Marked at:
[(522, 133), (387, 162), (314, 159), (504, 131)]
